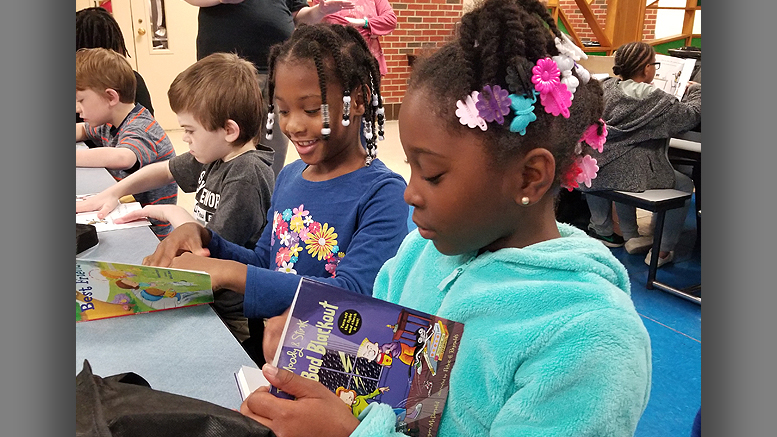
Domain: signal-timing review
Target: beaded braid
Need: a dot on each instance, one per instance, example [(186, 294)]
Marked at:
[(274, 52), (316, 49), (496, 38)]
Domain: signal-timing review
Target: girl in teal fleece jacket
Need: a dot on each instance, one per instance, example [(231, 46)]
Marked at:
[(552, 344)]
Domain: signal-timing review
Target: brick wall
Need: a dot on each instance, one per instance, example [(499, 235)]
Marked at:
[(599, 8), (421, 25)]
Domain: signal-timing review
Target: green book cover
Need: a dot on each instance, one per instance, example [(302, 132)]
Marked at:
[(105, 289)]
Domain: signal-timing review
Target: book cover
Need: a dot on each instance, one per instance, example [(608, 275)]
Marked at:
[(107, 223), (368, 350), (105, 289)]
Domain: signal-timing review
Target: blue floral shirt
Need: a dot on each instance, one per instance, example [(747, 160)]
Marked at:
[(339, 231)]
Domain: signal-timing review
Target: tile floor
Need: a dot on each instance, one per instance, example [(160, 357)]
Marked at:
[(674, 324)]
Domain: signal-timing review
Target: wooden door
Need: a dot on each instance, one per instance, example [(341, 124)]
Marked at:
[(160, 35)]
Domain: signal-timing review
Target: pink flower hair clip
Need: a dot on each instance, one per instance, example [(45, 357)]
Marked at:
[(493, 104), (554, 95), (588, 170), (468, 112), (596, 135)]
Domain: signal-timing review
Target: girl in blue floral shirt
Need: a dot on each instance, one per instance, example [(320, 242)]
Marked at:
[(338, 213)]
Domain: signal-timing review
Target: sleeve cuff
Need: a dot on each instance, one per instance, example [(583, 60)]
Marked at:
[(376, 420)]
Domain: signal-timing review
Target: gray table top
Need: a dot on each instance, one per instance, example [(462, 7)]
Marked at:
[(187, 351)]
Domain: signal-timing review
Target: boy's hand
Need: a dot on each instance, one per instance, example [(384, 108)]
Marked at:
[(189, 237), (102, 202), (315, 412), (166, 213), (273, 328)]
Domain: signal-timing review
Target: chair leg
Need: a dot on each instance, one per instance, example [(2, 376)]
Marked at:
[(657, 233)]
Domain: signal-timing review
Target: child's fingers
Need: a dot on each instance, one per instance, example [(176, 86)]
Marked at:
[(246, 411), (292, 383), (131, 216), (105, 210)]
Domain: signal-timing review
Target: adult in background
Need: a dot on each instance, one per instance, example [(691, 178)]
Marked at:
[(249, 28), (639, 118), (373, 19)]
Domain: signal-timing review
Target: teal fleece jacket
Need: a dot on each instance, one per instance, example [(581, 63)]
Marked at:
[(552, 344)]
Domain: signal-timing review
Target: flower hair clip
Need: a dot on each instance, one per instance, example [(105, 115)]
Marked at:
[(584, 169), (554, 95), (595, 135), (493, 104), (468, 113)]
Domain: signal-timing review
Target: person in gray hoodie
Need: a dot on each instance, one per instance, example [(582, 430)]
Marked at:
[(639, 118)]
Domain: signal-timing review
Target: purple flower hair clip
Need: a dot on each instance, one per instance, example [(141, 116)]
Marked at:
[(493, 104), (468, 113), (554, 95)]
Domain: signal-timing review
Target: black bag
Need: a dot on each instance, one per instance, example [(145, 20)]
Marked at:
[(125, 405)]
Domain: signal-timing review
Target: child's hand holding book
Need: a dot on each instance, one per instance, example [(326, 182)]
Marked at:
[(315, 411)]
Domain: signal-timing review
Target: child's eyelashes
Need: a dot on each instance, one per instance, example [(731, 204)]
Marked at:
[(434, 180), (313, 111)]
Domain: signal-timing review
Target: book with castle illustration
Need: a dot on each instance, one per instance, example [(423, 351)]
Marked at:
[(105, 289), (368, 350)]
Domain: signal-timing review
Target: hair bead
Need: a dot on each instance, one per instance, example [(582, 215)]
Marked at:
[(346, 108)]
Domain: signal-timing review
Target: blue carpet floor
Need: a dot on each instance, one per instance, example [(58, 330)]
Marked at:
[(674, 325)]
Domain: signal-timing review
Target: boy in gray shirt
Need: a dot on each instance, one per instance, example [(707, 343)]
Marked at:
[(219, 105)]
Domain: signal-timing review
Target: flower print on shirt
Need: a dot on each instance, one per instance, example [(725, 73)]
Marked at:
[(298, 234), (321, 242)]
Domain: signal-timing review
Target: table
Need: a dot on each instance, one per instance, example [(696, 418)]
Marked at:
[(187, 351), (685, 149)]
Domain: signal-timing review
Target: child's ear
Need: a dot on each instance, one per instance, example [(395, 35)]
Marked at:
[(232, 131), (538, 169), (112, 96), (358, 105)]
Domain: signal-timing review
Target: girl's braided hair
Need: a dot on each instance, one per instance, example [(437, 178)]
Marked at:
[(340, 54), (631, 58), (495, 35)]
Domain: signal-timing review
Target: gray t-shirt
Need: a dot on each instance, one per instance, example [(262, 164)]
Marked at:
[(232, 197)]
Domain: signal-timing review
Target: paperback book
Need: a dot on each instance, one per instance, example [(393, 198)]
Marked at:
[(107, 223), (105, 289), (674, 74), (368, 350)]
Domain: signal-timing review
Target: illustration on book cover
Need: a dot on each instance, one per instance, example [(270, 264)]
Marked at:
[(106, 289), (367, 350)]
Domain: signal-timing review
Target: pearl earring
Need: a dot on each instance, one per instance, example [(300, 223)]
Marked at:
[(525, 200)]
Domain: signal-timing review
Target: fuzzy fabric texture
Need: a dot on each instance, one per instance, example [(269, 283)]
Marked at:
[(552, 344), (634, 156)]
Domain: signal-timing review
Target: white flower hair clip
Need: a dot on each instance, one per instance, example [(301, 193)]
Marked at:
[(468, 113)]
